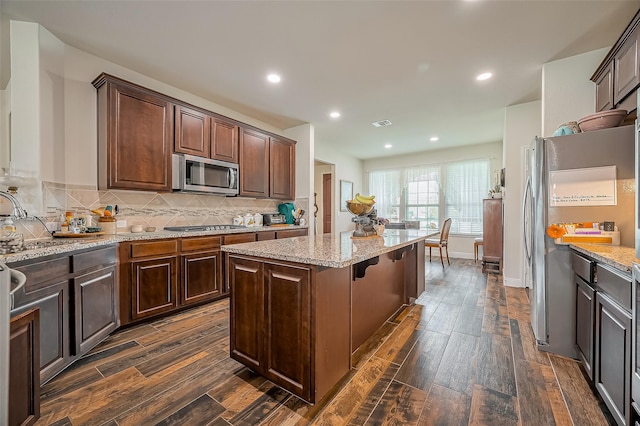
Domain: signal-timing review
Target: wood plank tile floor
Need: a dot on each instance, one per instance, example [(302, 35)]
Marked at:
[(464, 354)]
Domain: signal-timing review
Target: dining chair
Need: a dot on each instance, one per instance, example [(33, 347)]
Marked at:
[(441, 242)]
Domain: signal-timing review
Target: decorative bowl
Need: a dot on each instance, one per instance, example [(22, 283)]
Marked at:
[(602, 120), (359, 209)]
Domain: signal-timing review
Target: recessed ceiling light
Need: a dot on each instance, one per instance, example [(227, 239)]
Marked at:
[(388, 145), (484, 76), (334, 114), (434, 139), (274, 78)]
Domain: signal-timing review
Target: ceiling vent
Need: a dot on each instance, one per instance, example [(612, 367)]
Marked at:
[(381, 123)]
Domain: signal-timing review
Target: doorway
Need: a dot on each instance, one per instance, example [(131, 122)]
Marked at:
[(326, 203), (323, 186)]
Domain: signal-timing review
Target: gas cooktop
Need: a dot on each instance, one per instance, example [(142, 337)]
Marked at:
[(196, 228)]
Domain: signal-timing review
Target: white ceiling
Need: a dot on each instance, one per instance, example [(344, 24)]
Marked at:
[(411, 62)]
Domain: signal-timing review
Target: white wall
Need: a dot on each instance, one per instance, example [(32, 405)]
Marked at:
[(567, 92), (346, 168), (522, 123), (304, 135), (56, 78), (459, 246), (5, 113), (25, 109)]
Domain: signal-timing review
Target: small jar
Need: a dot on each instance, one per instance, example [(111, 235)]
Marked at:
[(257, 219), (108, 225)]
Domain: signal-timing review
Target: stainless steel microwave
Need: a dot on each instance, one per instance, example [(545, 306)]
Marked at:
[(198, 174)]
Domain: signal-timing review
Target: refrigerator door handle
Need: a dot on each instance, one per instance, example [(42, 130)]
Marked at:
[(527, 195)]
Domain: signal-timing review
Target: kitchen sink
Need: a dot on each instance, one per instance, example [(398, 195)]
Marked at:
[(196, 228)]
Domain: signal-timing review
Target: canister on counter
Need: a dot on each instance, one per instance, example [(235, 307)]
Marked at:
[(108, 225)]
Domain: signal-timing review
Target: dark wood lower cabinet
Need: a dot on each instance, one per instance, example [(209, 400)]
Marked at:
[(75, 295), (287, 327), (288, 233), (247, 311), (53, 304), (201, 277), (24, 368), (612, 367), (95, 308), (290, 323), (153, 286), (585, 323)]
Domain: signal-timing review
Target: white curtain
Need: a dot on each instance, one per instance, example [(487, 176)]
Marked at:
[(467, 183), (386, 185)]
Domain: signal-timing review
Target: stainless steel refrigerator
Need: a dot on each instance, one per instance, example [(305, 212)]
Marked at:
[(548, 265)]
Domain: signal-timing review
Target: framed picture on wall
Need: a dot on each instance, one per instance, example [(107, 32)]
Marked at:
[(346, 194)]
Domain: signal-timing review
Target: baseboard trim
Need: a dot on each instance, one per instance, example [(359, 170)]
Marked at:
[(512, 282)]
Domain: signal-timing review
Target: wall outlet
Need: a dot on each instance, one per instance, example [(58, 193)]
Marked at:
[(121, 223)]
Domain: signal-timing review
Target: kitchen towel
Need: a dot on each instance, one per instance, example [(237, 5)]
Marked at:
[(287, 210)]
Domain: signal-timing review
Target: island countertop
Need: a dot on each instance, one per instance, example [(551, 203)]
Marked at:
[(331, 250)]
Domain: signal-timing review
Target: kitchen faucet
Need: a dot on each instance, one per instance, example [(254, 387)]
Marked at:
[(18, 211)]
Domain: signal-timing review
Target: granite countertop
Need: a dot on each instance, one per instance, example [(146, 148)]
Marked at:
[(332, 250), (66, 245), (621, 258)]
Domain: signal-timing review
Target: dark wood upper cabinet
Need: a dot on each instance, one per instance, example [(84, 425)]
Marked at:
[(224, 140), (267, 166), (135, 137), (604, 89), (139, 130), (254, 163), (618, 75), (282, 169), (192, 132)]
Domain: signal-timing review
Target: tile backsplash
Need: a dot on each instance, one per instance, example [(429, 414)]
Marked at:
[(145, 208)]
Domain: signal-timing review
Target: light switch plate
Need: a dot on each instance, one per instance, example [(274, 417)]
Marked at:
[(121, 223)]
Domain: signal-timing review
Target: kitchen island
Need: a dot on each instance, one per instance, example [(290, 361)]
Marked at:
[(301, 307)]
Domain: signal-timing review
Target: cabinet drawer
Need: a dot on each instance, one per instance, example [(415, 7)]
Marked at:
[(583, 267), (239, 238), (615, 284), (204, 243), (154, 248), (93, 259), (39, 274)]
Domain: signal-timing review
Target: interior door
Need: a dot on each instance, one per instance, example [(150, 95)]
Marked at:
[(326, 203)]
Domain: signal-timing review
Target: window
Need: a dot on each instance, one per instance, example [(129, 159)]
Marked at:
[(430, 194)]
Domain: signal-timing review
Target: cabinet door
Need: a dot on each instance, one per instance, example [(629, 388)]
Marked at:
[(247, 311), (604, 89), (24, 368), (612, 370), (282, 171), (625, 67), (193, 133), (492, 229), (55, 344), (153, 286), (585, 323), (254, 164), (287, 328), (201, 277), (224, 141), (139, 141), (95, 308)]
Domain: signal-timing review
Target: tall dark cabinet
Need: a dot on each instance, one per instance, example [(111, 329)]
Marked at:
[(492, 235)]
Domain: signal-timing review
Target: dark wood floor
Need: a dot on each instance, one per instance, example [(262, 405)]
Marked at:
[(463, 354)]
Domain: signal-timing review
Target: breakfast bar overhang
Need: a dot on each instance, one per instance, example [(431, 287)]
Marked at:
[(301, 307)]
